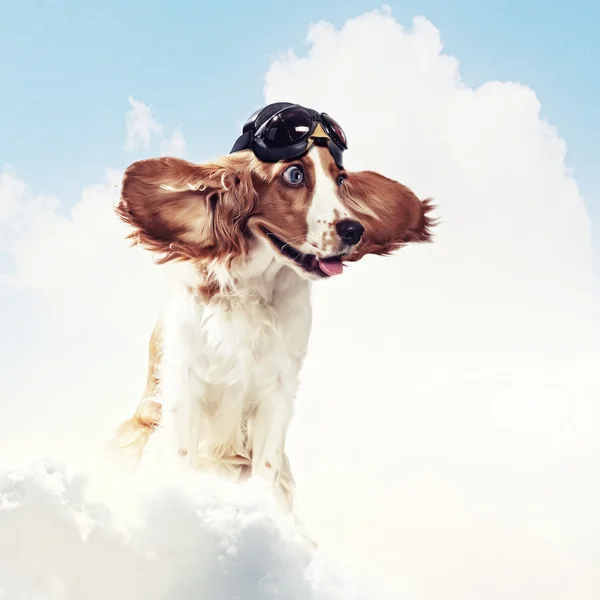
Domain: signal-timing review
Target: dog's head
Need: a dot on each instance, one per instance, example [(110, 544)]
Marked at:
[(310, 214)]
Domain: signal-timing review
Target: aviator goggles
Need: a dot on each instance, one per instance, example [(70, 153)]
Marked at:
[(284, 131)]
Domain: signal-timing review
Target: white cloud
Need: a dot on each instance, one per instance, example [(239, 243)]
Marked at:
[(95, 299), (55, 253), (173, 539), (142, 128), (174, 146), (449, 396), (141, 125), (11, 192), (450, 392)]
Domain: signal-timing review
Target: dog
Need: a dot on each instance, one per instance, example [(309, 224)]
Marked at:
[(246, 235)]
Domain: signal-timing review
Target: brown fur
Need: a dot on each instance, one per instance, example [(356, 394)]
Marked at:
[(281, 208), (391, 213), (184, 211), (399, 216)]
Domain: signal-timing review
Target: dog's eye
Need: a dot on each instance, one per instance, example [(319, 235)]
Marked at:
[(293, 175), (341, 179)]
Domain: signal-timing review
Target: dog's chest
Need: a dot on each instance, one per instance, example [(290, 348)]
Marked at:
[(238, 345), (225, 354)]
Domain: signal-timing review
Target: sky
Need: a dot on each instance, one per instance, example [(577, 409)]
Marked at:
[(68, 68), (450, 451)]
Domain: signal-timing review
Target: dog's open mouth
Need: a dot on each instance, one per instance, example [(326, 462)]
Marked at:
[(322, 267)]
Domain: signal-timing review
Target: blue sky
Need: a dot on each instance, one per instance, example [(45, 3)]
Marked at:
[(67, 68)]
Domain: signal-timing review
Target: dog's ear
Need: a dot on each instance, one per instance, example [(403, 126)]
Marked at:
[(390, 212), (183, 210)]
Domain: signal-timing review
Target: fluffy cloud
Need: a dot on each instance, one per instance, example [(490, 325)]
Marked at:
[(174, 146), (175, 539), (449, 394), (142, 128), (141, 125), (11, 190), (55, 253), (450, 391)]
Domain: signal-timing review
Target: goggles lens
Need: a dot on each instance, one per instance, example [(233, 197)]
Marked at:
[(336, 128), (288, 127)]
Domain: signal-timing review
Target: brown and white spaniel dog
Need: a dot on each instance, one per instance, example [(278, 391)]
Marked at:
[(245, 240)]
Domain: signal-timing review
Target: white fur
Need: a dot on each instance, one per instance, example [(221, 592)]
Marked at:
[(325, 209), (234, 359)]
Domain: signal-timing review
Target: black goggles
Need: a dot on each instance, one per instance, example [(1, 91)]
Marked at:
[(290, 132)]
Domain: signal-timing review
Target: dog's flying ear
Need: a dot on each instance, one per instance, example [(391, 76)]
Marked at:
[(390, 212), (183, 210)]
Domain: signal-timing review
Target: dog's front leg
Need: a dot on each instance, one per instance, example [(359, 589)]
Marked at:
[(183, 419), (267, 439), (269, 460)]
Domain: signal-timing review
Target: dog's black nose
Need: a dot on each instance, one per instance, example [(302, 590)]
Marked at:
[(350, 231)]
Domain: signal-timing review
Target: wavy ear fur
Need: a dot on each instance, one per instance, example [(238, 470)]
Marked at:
[(183, 210), (391, 213)]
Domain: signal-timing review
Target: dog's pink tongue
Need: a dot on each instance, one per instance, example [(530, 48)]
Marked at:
[(332, 267)]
